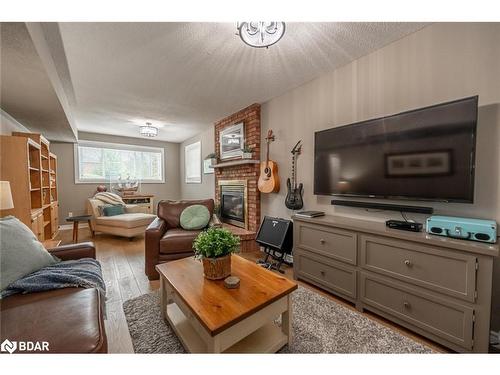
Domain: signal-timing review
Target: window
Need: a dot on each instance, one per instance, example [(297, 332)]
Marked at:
[(104, 162), (192, 163)]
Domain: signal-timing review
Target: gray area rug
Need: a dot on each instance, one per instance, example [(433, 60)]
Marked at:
[(320, 325)]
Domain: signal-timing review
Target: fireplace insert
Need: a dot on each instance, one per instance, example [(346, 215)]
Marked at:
[(232, 204)]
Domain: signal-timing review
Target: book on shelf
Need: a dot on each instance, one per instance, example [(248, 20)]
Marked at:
[(310, 213)]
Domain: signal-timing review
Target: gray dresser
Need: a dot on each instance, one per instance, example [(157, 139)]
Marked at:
[(435, 286)]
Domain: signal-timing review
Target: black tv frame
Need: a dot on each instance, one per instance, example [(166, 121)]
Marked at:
[(470, 199)]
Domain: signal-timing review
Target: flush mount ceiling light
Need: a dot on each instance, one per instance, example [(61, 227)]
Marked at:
[(149, 130), (260, 34)]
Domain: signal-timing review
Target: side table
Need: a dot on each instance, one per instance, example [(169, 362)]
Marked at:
[(76, 220)]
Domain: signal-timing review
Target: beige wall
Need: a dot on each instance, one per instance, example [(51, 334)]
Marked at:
[(206, 188), (439, 63), (436, 64), (72, 197), (9, 124)]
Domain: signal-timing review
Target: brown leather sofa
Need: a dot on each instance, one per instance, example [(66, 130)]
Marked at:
[(166, 240), (70, 319)]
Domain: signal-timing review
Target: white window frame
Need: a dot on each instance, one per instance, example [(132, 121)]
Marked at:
[(117, 146), (192, 180)]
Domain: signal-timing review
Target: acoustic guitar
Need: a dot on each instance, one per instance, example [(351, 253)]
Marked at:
[(293, 200), (269, 181)]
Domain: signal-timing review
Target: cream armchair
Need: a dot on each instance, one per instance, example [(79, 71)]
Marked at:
[(130, 224)]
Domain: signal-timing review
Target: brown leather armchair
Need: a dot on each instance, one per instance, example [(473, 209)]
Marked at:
[(70, 319), (166, 240)]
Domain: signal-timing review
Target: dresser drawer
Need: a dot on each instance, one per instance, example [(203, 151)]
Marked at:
[(447, 272), (437, 315), (334, 275), (331, 242)]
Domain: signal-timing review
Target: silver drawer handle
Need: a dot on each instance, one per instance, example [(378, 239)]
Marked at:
[(406, 305), (322, 241), (408, 262)]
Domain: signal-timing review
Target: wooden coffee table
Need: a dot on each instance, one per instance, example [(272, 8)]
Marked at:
[(209, 318)]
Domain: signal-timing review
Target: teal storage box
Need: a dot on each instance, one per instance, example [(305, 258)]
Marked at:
[(463, 228)]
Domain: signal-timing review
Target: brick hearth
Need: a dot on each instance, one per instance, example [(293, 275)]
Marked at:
[(250, 117)]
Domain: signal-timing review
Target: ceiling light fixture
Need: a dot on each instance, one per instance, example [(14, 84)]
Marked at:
[(260, 34), (149, 130)]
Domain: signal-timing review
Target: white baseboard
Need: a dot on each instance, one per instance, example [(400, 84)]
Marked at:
[(70, 226)]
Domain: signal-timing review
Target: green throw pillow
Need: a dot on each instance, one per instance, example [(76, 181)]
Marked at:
[(20, 252), (113, 210), (195, 217)]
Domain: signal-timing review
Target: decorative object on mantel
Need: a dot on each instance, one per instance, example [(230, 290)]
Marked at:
[(260, 34), (232, 282), (231, 141), (212, 157), (293, 200), (269, 181), (214, 247), (247, 152), (148, 130)]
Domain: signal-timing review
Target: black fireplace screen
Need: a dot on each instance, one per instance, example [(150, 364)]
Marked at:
[(233, 206)]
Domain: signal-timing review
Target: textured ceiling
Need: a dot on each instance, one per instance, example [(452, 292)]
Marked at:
[(185, 76), (27, 93)]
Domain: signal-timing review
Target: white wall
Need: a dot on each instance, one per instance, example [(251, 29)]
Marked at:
[(439, 63), (207, 187), (9, 124)]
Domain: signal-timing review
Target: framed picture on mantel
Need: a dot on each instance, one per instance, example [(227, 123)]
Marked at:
[(232, 140)]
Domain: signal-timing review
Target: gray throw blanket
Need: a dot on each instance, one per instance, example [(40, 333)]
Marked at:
[(85, 273)]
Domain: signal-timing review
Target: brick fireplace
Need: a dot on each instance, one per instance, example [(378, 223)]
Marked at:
[(247, 174)]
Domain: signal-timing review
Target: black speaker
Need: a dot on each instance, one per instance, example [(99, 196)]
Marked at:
[(276, 233)]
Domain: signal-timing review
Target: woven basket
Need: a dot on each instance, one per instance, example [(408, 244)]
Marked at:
[(217, 268)]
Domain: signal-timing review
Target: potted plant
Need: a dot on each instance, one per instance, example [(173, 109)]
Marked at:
[(212, 157), (247, 152), (214, 247)]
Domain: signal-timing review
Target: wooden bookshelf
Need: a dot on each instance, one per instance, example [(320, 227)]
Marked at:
[(33, 178), (20, 164)]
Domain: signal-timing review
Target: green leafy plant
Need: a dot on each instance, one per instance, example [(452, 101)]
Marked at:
[(215, 243), (247, 148)]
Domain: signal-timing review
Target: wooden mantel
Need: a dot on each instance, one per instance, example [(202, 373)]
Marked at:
[(232, 163)]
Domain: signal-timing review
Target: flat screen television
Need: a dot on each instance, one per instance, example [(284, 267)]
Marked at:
[(424, 154)]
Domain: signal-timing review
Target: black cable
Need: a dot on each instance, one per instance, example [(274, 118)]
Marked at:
[(404, 216)]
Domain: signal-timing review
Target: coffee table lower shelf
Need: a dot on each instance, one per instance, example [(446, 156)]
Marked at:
[(269, 338)]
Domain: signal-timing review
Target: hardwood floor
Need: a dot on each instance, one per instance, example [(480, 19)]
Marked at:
[(122, 264)]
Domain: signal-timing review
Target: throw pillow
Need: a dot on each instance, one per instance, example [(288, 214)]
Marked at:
[(20, 251), (195, 217), (113, 210), (100, 209)]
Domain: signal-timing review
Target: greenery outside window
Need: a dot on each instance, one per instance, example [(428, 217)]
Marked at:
[(107, 162)]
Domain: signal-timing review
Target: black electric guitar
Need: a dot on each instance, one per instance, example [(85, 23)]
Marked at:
[(294, 193)]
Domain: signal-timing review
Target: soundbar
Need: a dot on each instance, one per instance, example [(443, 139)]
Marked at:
[(384, 206)]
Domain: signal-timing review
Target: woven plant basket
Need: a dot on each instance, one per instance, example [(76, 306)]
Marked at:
[(217, 268)]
